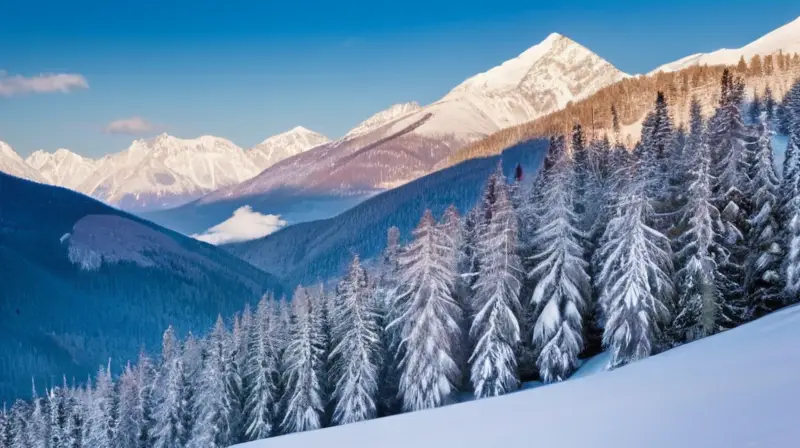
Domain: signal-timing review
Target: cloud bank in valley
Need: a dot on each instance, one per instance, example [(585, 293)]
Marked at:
[(245, 224), (11, 85)]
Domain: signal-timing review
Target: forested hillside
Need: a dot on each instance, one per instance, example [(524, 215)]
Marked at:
[(83, 284), (633, 253), (626, 102)]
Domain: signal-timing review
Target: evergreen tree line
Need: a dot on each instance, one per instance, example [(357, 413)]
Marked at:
[(632, 251)]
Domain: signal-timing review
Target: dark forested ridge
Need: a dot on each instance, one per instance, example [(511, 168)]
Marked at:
[(82, 283)]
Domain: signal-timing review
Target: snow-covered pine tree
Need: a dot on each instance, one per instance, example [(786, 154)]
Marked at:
[(701, 307), (214, 406), (38, 434), (654, 154), (495, 330), (583, 170), (729, 141), (428, 318), (790, 192), (192, 360), (754, 109), (169, 395), (75, 416), (130, 418), (387, 284), (357, 353), (634, 278), (559, 271), (101, 417), (769, 105), (782, 114), (453, 227), (5, 428), (303, 361), (763, 281), (19, 425), (263, 372)]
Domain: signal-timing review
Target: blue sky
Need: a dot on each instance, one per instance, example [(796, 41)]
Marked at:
[(245, 70)]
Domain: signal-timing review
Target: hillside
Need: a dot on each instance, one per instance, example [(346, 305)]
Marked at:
[(306, 252), (706, 393), (83, 283), (633, 98)]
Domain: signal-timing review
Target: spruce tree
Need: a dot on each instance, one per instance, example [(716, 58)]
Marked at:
[(769, 105), (215, 403), (387, 286), (495, 330), (100, 419), (304, 359), (560, 273), (38, 436), (19, 425), (169, 394), (701, 307), (754, 109), (262, 373), (428, 318), (357, 351), (634, 278), (730, 142), (131, 416), (5, 428), (763, 280)]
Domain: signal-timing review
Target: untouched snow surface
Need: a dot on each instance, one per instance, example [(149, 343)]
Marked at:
[(736, 389), (284, 145)]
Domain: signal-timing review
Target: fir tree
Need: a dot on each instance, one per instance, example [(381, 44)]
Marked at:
[(701, 308), (428, 318), (387, 285), (38, 436), (5, 428), (634, 279), (559, 270), (215, 403), (131, 416), (357, 350), (169, 416), (263, 371), (19, 425), (763, 280), (495, 330), (303, 362), (100, 419)]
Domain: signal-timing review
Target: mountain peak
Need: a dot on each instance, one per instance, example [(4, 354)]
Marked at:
[(286, 144)]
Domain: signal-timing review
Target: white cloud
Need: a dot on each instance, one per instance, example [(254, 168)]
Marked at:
[(131, 126), (43, 83), (245, 224)]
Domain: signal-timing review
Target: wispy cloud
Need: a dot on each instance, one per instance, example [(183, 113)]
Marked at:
[(245, 224), (44, 83), (132, 126)]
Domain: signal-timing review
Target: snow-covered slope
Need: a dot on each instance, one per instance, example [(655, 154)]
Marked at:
[(12, 163), (284, 145), (167, 171), (734, 390), (785, 38), (63, 167), (385, 116)]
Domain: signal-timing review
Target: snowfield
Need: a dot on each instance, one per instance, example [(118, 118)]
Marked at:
[(740, 388)]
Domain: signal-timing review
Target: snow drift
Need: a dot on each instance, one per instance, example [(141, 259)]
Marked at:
[(735, 389)]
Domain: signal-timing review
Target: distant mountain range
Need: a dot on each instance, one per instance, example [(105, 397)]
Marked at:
[(82, 283)]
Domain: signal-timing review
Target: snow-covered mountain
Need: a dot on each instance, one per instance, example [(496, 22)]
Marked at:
[(167, 171), (63, 167), (12, 163), (785, 38), (406, 142), (284, 145)]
